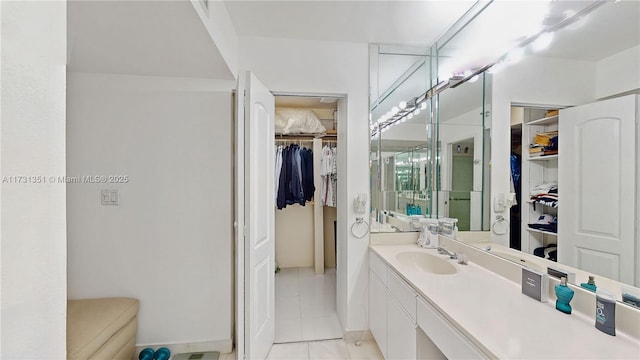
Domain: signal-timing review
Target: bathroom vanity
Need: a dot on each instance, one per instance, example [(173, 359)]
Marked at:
[(425, 305)]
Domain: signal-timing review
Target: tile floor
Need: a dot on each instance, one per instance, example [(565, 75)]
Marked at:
[(306, 305), (316, 350)]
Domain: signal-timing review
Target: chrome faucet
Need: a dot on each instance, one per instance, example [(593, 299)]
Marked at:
[(444, 251)]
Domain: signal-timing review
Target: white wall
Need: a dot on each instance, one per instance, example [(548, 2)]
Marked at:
[(169, 242), (219, 26), (301, 66), (535, 80), (618, 73), (32, 216)]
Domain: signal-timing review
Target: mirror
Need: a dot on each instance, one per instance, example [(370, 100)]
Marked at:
[(401, 161), (431, 163), (591, 57), (594, 58), (463, 170)]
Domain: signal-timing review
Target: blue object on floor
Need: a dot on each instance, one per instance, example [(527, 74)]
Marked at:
[(147, 354), (163, 354)]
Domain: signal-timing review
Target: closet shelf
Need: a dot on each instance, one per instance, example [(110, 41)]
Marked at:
[(543, 157), (540, 203), (544, 121), (305, 136), (542, 231)]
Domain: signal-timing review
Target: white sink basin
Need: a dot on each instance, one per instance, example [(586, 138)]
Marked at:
[(427, 262)]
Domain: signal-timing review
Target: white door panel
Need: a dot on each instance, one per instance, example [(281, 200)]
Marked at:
[(596, 188), (256, 158)]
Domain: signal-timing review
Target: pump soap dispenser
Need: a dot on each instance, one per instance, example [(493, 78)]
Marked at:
[(564, 294)]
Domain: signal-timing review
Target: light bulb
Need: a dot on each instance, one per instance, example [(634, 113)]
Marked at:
[(542, 42), (423, 105), (410, 116), (402, 105), (416, 112), (395, 110)]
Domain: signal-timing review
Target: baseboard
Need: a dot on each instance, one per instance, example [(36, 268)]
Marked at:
[(222, 346), (357, 335)]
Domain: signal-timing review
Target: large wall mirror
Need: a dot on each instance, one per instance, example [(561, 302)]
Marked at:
[(460, 150)]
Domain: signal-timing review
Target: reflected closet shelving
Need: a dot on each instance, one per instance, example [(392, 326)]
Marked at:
[(538, 167)]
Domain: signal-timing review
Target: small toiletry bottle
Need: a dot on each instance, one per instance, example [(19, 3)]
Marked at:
[(564, 294), (605, 311), (589, 285)]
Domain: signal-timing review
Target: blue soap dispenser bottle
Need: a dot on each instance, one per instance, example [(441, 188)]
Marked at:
[(564, 294), (590, 284)]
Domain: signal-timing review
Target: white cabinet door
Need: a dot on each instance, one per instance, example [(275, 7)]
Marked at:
[(596, 188), (378, 311), (401, 334)]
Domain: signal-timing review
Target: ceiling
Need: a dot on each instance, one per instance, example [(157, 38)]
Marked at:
[(161, 38), (423, 22), (396, 22), (608, 30)]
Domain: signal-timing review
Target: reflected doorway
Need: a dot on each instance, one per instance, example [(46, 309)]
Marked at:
[(461, 183)]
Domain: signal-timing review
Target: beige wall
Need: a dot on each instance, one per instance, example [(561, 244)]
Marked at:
[(294, 236)]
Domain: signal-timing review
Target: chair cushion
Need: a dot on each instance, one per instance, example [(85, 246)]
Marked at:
[(91, 323)]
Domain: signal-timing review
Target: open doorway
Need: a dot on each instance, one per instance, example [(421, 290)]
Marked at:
[(305, 231), (462, 153)]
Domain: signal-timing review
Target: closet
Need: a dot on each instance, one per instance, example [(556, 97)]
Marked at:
[(305, 229), (305, 218), (534, 175)]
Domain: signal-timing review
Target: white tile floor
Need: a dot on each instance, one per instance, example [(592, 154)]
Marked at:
[(306, 305), (327, 349)]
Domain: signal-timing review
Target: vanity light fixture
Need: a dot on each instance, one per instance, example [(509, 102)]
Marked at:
[(542, 42), (402, 105), (515, 55)]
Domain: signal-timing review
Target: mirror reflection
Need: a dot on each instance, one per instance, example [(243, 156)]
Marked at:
[(588, 60)]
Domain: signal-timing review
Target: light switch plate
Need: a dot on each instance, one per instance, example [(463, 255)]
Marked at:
[(109, 197)]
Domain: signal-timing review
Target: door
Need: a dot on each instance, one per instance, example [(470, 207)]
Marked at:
[(378, 311), (596, 187), (255, 218), (461, 187), (401, 334)]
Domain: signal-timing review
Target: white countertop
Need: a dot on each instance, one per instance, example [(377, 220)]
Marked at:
[(493, 313)]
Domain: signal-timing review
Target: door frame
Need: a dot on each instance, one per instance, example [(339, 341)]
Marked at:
[(240, 266)]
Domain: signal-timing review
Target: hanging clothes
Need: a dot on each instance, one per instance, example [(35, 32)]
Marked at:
[(295, 180), (329, 174), (307, 173), (277, 170)]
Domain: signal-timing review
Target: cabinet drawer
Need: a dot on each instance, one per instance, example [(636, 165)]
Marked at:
[(401, 333), (404, 294), (452, 343), (378, 267)]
